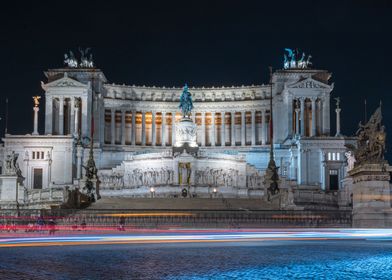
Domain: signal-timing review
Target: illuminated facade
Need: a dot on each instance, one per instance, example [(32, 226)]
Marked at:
[(134, 131)]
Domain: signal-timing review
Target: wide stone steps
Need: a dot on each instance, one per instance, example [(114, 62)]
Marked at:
[(181, 204)]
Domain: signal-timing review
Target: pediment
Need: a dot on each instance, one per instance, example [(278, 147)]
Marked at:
[(309, 83), (63, 82)]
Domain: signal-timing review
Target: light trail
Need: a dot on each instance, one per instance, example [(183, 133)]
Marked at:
[(200, 236)]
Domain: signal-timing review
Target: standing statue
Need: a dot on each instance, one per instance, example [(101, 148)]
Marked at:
[(337, 99), (350, 160), (70, 60), (371, 139), (186, 104), (36, 100)]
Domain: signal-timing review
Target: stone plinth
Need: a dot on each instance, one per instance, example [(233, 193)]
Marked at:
[(371, 196), (186, 137), (9, 189)]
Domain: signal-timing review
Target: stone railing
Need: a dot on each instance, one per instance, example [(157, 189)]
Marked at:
[(153, 155), (315, 197), (53, 194), (207, 154)]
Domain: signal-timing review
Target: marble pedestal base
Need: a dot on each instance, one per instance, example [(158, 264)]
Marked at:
[(371, 196), (10, 192)]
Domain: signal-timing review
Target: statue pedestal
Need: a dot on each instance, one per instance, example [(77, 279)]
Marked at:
[(10, 191), (186, 137), (371, 196)]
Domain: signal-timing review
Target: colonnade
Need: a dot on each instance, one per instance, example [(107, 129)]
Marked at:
[(152, 128), (307, 117), (64, 115)]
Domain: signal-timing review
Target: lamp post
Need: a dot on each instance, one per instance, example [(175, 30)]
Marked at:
[(152, 192)]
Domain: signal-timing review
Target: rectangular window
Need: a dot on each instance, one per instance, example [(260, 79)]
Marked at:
[(42, 155), (33, 155)]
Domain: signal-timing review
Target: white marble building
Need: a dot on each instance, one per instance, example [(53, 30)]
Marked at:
[(134, 131)]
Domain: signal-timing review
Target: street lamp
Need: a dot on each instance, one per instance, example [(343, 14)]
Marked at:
[(152, 191), (214, 191)]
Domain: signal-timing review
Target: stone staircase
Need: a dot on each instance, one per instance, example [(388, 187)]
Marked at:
[(218, 203)]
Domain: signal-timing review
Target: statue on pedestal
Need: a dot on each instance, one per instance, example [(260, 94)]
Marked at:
[(11, 167), (186, 104)]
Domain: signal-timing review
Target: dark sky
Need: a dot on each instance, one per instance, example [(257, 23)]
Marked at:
[(202, 43)]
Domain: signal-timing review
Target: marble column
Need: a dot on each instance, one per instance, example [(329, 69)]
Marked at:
[(49, 115), (122, 127), (243, 127), (84, 119), (133, 128), (223, 129), (153, 127), (61, 116), (302, 116), (212, 135), (263, 128), (232, 128), (313, 117), (113, 126), (337, 110), (143, 128), (326, 115), (35, 109), (253, 127), (297, 110), (163, 128), (203, 129), (72, 119), (173, 128), (79, 154)]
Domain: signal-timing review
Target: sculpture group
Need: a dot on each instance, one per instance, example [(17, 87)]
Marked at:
[(11, 167), (86, 59), (371, 142), (292, 60)]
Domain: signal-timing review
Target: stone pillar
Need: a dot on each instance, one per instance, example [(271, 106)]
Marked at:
[(133, 128), (326, 119), (35, 109), (61, 115), (297, 110), (72, 120), (337, 110), (302, 116), (203, 129), (79, 154), (253, 127), (313, 117), (163, 128), (212, 136), (243, 127), (371, 196), (263, 128), (143, 128), (113, 126), (49, 115), (84, 120), (223, 129), (76, 119), (153, 127), (122, 127), (232, 128), (173, 128)]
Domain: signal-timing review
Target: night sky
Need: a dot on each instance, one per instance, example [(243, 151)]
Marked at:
[(202, 43)]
